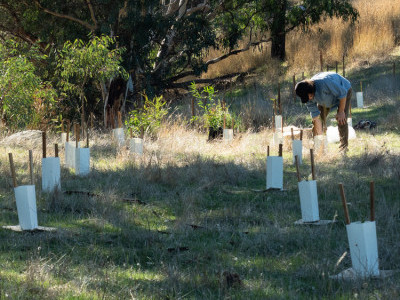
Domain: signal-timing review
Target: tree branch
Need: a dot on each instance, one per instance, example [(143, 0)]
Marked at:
[(220, 58), (67, 17), (185, 84), (90, 6)]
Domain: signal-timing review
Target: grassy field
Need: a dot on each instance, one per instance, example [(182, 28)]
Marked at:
[(195, 228)]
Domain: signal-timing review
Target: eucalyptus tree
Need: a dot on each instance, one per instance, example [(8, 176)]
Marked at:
[(167, 40)]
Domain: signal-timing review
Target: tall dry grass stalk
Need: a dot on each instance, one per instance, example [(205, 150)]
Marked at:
[(372, 38)]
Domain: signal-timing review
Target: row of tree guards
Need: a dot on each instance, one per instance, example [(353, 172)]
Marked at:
[(361, 236)]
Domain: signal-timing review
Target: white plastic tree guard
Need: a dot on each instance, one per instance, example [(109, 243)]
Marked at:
[(25, 197), (360, 99), (278, 123), (119, 136), (70, 154), (309, 200), (82, 161), (228, 135), (51, 178), (350, 122), (297, 149), (277, 138), (63, 137), (363, 248), (320, 143), (136, 146), (275, 172)]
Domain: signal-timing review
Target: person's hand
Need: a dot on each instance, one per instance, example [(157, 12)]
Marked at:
[(341, 118)]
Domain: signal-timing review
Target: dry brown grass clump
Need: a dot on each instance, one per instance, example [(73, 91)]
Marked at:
[(372, 38)]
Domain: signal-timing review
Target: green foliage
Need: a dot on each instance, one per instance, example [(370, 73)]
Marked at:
[(25, 100), (149, 117), (78, 63), (213, 111)]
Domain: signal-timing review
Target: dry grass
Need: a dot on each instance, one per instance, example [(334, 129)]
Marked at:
[(371, 39), (200, 224)]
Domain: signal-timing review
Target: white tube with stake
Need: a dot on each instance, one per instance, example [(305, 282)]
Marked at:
[(362, 241), (25, 197), (51, 171), (308, 194), (274, 176)]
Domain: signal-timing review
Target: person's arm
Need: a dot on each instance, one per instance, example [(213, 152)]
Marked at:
[(341, 116)]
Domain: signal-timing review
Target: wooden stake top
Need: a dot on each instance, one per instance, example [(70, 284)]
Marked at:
[(12, 168), (31, 166), (280, 149), (291, 130), (346, 211), (44, 143), (301, 134), (296, 158), (312, 164), (372, 200)]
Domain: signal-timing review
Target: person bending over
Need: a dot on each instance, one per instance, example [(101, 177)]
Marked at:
[(322, 93)]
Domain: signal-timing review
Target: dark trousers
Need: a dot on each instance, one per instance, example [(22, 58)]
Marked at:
[(343, 129)]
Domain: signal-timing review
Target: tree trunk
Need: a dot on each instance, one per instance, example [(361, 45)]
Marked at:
[(278, 35)]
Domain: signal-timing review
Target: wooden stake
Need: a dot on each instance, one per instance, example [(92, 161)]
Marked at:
[(273, 122), (346, 211), (302, 75), (141, 132), (350, 108), (327, 68), (336, 66), (119, 119), (321, 60), (296, 158), (268, 150), (56, 150), (87, 137), (280, 149), (224, 120), (14, 178), (131, 133), (77, 135), (68, 125), (31, 166), (312, 164), (291, 129), (294, 85), (62, 126), (344, 68), (361, 86), (372, 200), (301, 134), (44, 143), (279, 98)]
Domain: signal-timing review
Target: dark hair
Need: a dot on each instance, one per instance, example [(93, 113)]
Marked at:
[(303, 88)]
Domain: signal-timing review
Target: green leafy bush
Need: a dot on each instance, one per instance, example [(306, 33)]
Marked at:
[(25, 99), (213, 111), (149, 117)]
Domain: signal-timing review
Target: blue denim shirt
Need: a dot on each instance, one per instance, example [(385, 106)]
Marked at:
[(330, 87)]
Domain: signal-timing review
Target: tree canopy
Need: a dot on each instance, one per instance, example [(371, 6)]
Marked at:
[(165, 40)]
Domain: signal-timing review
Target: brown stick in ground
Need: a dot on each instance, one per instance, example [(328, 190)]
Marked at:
[(296, 158), (372, 200), (12, 168), (346, 211)]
